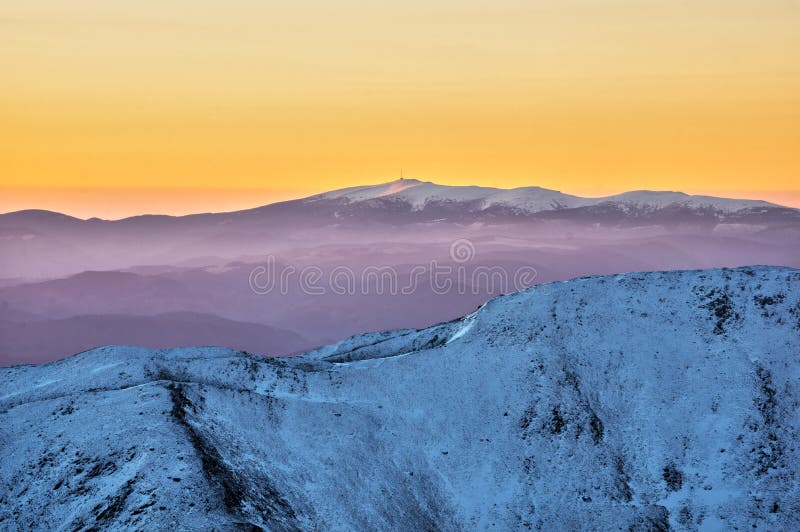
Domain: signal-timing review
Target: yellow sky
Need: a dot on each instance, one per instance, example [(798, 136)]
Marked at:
[(117, 107)]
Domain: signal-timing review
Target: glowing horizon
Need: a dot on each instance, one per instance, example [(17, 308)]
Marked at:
[(104, 202), (117, 109)]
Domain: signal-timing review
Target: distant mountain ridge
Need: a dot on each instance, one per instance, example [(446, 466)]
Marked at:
[(420, 195), (36, 244)]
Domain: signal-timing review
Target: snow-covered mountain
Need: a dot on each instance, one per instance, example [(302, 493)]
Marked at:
[(528, 200), (639, 401), (40, 244)]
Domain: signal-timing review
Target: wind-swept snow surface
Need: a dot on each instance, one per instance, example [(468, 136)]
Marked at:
[(639, 401)]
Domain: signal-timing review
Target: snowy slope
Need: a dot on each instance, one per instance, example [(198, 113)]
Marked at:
[(419, 194), (640, 401)]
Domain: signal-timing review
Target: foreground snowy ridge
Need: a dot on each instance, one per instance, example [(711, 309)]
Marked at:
[(640, 401)]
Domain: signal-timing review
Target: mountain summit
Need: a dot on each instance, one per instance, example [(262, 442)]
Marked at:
[(652, 401), (420, 194)]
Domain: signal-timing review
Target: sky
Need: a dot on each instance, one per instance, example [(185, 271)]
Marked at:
[(116, 107)]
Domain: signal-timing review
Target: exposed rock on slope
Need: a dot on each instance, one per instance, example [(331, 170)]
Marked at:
[(641, 401)]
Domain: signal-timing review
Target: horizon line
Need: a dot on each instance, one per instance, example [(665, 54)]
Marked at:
[(298, 194)]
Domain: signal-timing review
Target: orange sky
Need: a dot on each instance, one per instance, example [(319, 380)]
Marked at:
[(116, 108)]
